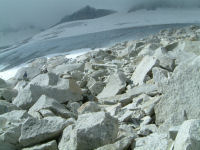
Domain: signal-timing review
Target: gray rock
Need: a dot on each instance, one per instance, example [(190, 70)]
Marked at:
[(25, 99), (92, 130), (64, 68), (127, 98), (159, 75), (188, 136), (31, 72), (89, 107), (3, 83), (145, 66), (126, 117), (123, 144), (147, 129), (8, 94), (36, 131), (10, 128), (180, 94), (116, 84), (63, 91), (46, 103), (154, 141), (94, 86), (6, 107), (52, 145), (113, 110)]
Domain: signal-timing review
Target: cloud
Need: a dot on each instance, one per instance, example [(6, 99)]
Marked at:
[(44, 13)]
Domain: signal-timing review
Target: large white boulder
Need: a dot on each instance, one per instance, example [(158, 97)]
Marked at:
[(145, 66), (188, 137), (116, 84), (180, 100), (35, 131), (91, 131), (46, 103)]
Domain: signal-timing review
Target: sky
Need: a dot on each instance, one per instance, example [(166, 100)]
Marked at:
[(15, 13)]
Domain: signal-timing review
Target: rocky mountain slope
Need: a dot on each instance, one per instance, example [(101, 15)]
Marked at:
[(86, 12), (136, 95)]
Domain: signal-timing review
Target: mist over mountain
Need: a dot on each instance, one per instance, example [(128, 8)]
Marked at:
[(154, 4), (86, 12)]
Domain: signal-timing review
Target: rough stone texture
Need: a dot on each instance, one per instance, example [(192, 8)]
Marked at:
[(92, 130), (180, 100), (126, 98), (154, 141), (10, 128), (64, 68), (116, 84), (159, 75), (147, 63), (36, 131), (46, 103), (6, 107), (88, 108), (3, 83), (25, 99), (62, 90), (123, 144), (188, 137), (52, 145), (8, 94)]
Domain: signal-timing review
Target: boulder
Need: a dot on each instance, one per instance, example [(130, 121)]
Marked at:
[(123, 144), (126, 98), (92, 130), (10, 128), (188, 136), (64, 68), (35, 131), (94, 86), (89, 107), (7, 107), (159, 74), (180, 100), (145, 66), (154, 141), (46, 103), (8, 94), (116, 85), (3, 83), (63, 90), (52, 145)]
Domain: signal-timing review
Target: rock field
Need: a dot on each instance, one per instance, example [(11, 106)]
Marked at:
[(135, 95)]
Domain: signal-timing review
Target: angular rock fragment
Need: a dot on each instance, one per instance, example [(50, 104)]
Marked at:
[(188, 136), (91, 131), (116, 84), (145, 66)]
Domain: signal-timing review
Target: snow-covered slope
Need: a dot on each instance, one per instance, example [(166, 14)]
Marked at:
[(121, 20)]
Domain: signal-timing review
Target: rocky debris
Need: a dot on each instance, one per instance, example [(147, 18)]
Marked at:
[(116, 85), (54, 108), (91, 131), (188, 136), (89, 107), (136, 95), (6, 107), (36, 131), (123, 144), (143, 69), (154, 141), (52, 145)]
